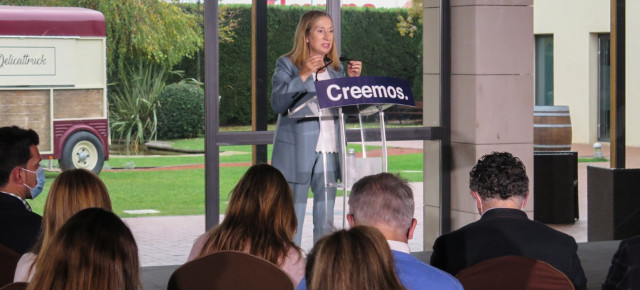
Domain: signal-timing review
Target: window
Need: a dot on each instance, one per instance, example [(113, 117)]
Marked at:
[(544, 70), (604, 87)]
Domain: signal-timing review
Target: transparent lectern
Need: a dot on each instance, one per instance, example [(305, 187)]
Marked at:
[(361, 96)]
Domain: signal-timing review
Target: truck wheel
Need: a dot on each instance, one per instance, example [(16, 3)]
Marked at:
[(82, 150)]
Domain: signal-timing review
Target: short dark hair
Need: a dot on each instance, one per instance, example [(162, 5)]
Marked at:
[(499, 175), (14, 149), (382, 198)]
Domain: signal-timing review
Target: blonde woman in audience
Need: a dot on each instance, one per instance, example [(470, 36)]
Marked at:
[(260, 220), (93, 250), (358, 258), (71, 191)]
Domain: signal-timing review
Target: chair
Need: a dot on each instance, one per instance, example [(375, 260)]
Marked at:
[(229, 270), (8, 261), (15, 286), (513, 272)]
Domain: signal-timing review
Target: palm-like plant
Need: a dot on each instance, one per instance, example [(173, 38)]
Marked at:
[(133, 102)]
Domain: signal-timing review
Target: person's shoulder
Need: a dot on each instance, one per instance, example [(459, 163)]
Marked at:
[(550, 232), (458, 233), (34, 219), (416, 274), (284, 59), (294, 254), (18, 213), (404, 260), (631, 242)]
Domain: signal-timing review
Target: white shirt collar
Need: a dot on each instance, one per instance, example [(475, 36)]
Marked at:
[(399, 246)]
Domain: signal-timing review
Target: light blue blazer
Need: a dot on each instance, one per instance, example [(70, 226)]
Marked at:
[(295, 140)]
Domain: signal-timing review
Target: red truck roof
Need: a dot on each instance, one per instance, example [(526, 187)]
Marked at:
[(51, 21)]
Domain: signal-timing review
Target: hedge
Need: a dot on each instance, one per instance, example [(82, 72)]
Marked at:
[(368, 34), (181, 111)]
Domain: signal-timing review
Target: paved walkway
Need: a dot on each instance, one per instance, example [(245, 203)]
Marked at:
[(167, 240)]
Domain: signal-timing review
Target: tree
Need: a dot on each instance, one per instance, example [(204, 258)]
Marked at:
[(153, 30), (407, 26), (156, 31)]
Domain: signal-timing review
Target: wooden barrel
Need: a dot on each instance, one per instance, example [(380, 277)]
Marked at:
[(551, 128)]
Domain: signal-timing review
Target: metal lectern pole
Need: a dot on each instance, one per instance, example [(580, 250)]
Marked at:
[(343, 162), (383, 137)]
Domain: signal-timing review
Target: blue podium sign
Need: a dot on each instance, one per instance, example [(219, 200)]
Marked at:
[(363, 90)]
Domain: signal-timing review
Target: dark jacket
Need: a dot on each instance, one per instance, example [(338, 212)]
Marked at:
[(501, 232), (624, 272), (19, 227)]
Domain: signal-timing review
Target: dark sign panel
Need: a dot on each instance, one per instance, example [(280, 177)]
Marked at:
[(364, 90)]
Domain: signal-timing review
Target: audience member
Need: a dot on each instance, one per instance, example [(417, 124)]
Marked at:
[(500, 185), (624, 272), (260, 220), (21, 177), (358, 258), (93, 250), (385, 201), (71, 191)]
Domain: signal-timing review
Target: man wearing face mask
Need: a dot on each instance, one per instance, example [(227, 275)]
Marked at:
[(500, 186), (21, 178)]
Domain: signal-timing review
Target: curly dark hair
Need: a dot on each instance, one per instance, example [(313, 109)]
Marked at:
[(499, 175)]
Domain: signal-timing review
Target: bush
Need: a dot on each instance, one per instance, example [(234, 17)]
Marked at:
[(181, 111)]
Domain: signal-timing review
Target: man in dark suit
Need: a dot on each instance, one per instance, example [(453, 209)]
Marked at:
[(21, 177), (500, 185)]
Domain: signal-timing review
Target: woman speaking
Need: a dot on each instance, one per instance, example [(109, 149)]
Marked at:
[(299, 143)]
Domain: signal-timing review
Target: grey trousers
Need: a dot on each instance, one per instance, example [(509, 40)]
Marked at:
[(322, 207)]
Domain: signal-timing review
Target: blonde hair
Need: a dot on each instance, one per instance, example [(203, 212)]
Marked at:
[(260, 217), (73, 190), (93, 250), (300, 52), (330, 264)]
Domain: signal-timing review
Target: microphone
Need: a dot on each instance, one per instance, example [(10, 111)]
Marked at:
[(327, 62), (344, 58)]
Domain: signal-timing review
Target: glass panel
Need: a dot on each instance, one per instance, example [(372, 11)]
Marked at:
[(544, 70), (604, 88)]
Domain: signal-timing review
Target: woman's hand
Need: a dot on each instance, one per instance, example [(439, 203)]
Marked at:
[(312, 65), (354, 68)]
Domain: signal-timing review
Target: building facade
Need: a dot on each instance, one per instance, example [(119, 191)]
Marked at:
[(572, 65)]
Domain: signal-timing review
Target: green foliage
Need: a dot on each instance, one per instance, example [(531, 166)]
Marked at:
[(367, 34), (181, 111), (154, 30), (227, 19), (133, 103), (408, 25)]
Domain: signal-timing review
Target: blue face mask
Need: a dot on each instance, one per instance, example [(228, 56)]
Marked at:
[(40, 177)]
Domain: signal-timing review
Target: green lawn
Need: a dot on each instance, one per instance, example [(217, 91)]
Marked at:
[(172, 192), (181, 192)]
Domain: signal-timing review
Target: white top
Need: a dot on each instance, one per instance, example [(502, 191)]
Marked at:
[(23, 273), (399, 246), (327, 125)]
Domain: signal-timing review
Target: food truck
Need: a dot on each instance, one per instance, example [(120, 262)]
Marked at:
[(53, 79)]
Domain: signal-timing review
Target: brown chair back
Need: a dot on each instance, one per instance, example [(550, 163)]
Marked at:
[(229, 270), (8, 261), (513, 272), (15, 286)]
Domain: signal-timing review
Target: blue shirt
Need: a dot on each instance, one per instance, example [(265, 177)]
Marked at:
[(415, 275)]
